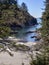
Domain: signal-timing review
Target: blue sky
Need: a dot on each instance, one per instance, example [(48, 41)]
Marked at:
[(34, 7)]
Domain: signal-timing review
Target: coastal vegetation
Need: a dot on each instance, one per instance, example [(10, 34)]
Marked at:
[(13, 16), (42, 58)]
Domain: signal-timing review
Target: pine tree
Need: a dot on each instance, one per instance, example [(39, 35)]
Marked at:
[(7, 8), (4, 30), (45, 23), (24, 7), (43, 57)]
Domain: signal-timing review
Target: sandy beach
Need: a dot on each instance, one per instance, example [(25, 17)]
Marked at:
[(17, 59)]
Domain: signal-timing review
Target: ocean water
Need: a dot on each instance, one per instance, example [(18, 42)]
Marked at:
[(27, 37)]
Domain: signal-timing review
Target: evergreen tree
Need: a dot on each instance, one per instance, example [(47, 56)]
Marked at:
[(4, 30), (24, 7), (43, 57), (7, 8), (45, 23)]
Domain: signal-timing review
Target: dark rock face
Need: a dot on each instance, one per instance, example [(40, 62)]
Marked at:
[(30, 22), (34, 21), (14, 26), (21, 21)]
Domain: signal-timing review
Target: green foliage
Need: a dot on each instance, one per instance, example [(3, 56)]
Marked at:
[(4, 31), (7, 8), (42, 58), (45, 23), (1, 46)]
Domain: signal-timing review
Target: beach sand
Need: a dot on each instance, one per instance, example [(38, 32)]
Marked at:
[(18, 58)]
